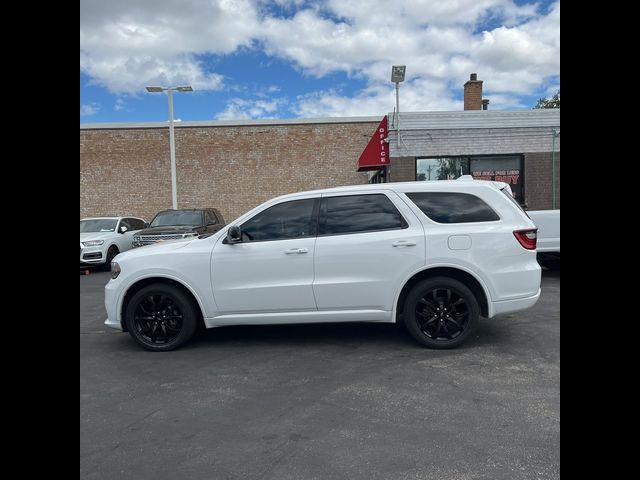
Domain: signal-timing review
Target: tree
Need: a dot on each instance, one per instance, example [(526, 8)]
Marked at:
[(553, 102)]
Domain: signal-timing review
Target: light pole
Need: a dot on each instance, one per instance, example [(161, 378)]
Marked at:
[(397, 76), (556, 133), (172, 141)]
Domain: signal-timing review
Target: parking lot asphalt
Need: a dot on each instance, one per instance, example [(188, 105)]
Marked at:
[(330, 401)]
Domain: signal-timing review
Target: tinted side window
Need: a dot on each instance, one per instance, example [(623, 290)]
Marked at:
[(359, 213), (449, 207), (125, 223), (136, 224), (210, 217), (293, 219)]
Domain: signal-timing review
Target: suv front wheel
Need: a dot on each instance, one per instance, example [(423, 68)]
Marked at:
[(441, 312), (111, 253), (160, 317)]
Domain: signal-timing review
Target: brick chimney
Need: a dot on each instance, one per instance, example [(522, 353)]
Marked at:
[(473, 93)]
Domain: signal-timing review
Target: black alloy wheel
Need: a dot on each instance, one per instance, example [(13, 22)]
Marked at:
[(441, 312), (158, 319), (161, 317)]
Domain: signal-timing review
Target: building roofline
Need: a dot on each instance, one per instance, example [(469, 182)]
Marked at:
[(451, 115), (473, 119), (229, 123), (531, 111)]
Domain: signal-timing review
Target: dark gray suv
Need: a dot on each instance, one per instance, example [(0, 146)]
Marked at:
[(170, 225)]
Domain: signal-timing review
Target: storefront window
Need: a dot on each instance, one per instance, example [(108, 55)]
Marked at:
[(507, 169), (377, 177), (501, 168), (445, 168)]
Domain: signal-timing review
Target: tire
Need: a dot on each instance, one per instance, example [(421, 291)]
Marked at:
[(438, 308), (111, 253), (161, 317)]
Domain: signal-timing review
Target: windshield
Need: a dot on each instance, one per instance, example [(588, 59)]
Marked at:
[(98, 225), (507, 192), (177, 219)]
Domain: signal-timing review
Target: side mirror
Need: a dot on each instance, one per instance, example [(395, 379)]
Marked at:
[(123, 229), (234, 235)]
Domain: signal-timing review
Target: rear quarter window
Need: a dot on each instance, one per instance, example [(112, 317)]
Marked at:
[(450, 207)]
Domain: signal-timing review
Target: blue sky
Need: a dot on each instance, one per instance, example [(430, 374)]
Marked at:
[(295, 58)]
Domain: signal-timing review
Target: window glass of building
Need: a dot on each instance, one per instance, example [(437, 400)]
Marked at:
[(502, 168), (446, 168)]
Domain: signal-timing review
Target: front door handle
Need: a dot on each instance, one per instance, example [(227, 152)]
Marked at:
[(291, 251), (404, 243)]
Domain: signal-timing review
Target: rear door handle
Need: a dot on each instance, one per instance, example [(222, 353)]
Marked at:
[(291, 251), (404, 243)]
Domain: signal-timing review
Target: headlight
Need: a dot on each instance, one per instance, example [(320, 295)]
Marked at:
[(115, 270), (93, 243)]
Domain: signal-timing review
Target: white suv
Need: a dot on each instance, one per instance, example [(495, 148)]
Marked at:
[(432, 255), (102, 238)]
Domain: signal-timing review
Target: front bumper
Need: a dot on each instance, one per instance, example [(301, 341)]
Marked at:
[(112, 305), (92, 255)]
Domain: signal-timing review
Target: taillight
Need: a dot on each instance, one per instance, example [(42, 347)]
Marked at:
[(528, 238)]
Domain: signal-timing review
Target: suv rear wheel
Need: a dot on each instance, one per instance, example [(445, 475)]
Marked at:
[(441, 312)]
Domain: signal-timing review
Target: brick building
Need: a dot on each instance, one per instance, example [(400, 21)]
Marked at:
[(516, 147), (236, 165), (233, 166)]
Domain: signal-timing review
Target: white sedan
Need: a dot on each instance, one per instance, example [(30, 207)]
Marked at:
[(102, 238)]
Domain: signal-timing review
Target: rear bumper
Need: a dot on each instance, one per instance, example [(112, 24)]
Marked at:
[(515, 305)]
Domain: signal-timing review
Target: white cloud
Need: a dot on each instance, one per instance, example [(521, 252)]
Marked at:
[(89, 109), (128, 44), (132, 74), (552, 90), (419, 33), (418, 95), (119, 105), (238, 108)]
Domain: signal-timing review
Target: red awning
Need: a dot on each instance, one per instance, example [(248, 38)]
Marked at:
[(376, 153)]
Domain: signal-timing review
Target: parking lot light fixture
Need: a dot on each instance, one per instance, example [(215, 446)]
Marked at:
[(172, 142)]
